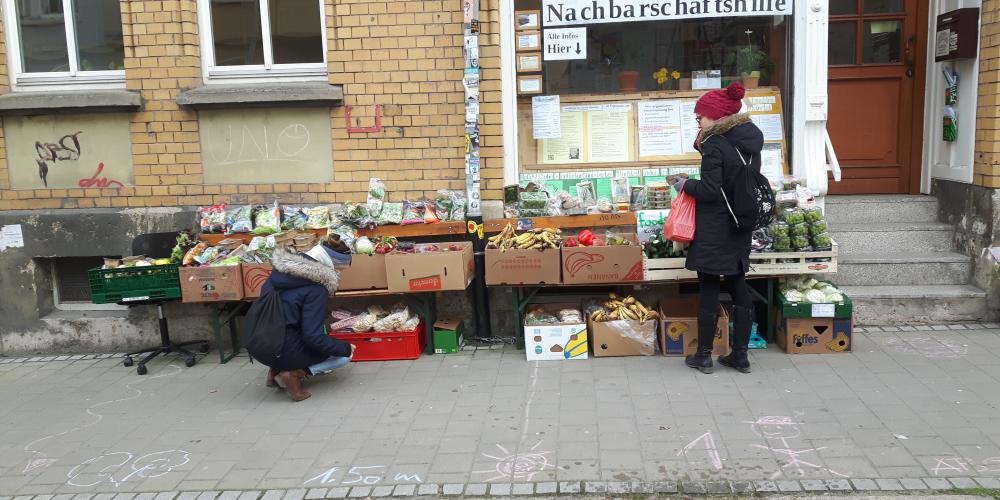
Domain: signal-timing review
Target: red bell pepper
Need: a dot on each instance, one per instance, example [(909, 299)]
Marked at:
[(586, 238)]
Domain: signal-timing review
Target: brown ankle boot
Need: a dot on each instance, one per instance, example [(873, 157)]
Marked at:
[(292, 383), (271, 373)]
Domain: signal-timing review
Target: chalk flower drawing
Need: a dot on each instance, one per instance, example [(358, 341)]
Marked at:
[(518, 465)]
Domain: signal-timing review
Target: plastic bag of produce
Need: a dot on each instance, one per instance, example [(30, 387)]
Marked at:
[(393, 322), (346, 233), (364, 246), (431, 213), (798, 230), (212, 219), (413, 213), (376, 196), (444, 204), (817, 227), (411, 324), (536, 200), (267, 220), (822, 241), (317, 217), (793, 216), (293, 218), (794, 296), (570, 316), (392, 213), (814, 297), (355, 214), (240, 219)]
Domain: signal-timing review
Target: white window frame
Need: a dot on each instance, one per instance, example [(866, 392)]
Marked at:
[(74, 79), (269, 72)]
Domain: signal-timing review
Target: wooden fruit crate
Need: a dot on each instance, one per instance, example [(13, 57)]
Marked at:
[(761, 264)]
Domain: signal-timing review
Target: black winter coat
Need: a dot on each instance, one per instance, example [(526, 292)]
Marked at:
[(717, 247), (305, 287)]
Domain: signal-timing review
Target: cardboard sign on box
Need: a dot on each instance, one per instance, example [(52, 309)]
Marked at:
[(623, 338), (555, 342), (367, 272), (612, 264), (679, 328), (814, 335), (211, 284), (431, 271), (254, 277), (522, 267)]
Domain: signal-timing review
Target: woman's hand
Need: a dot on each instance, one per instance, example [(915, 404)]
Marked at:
[(677, 181), (353, 347)]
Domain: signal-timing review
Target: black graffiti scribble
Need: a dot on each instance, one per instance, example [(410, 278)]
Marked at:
[(65, 149)]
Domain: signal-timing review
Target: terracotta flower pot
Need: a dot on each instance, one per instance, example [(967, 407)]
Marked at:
[(627, 81), (751, 80)]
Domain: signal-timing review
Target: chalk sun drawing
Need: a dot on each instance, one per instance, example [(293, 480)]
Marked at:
[(928, 347), (38, 459), (518, 465)]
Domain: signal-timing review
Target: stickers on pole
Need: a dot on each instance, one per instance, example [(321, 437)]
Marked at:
[(565, 44)]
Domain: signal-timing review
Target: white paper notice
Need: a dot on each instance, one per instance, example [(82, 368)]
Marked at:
[(659, 128), (689, 127), (771, 164), (608, 133), (545, 123), (11, 237), (823, 310), (770, 125)]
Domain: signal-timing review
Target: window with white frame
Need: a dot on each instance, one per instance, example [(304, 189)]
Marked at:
[(65, 42), (263, 39)]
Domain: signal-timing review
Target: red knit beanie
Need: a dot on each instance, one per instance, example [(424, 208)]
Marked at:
[(720, 103)]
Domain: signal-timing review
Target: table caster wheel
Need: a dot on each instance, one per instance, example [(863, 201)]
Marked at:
[(141, 369), (204, 348), (128, 361), (189, 362)]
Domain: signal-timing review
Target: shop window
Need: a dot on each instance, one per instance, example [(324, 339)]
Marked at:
[(58, 43), (247, 40), (70, 285)]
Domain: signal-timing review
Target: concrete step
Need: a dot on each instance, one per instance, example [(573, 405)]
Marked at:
[(893, 237), (940, 268), (880, 209), (916, 304)]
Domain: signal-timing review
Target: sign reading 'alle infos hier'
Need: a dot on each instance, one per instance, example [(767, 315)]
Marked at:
[(570, 12)]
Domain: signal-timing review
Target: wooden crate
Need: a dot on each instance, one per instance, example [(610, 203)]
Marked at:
[(761, 264), (666, 270)]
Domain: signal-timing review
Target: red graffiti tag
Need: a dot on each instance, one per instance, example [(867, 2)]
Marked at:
[(103, 182)]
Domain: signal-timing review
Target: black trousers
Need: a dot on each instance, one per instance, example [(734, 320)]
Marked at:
[(710, 285)]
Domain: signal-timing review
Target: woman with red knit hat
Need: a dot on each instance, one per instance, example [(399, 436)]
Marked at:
[(728, 141)]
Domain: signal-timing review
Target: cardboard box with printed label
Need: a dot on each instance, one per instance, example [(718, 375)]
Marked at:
[(679, 328), (431, 271), (211, 284), (448, 336), (814, 335), (367, 272), (556, 341), (522, 267), (254, 277), (609, 264), (623, 338)]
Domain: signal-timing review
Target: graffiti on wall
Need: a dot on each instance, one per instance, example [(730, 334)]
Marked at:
[(259, 146), (69, 151)]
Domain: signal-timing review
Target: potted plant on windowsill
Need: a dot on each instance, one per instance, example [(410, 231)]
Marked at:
[(628, 79), (749, 63)]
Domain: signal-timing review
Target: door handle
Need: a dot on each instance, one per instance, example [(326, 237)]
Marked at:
[(908, 58)]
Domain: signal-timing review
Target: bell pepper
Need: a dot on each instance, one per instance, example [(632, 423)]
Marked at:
[(570, 243), (586, 238)]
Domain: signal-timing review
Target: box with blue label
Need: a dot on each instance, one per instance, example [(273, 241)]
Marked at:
[(553, 332), (679, 330)]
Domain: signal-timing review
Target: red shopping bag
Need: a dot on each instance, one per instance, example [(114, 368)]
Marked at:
[(679, 225)]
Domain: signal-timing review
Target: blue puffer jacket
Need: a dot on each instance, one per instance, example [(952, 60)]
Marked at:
[(305, 287)]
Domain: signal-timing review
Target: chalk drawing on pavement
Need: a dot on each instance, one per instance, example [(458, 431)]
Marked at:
[(707, 445), (965, 466), (362, 474), (783, 429), (521, 466), (116, 468)]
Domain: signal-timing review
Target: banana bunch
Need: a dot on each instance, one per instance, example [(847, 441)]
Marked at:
[(623, 308), (535, 238)]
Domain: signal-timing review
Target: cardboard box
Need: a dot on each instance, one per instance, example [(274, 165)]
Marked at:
[(254, 277), (211, 284), (432, 271), (679, 329), (555, 342), (815, 335), (616, 264), (367, 272), (623, 338), (522, 267), (448, 336)]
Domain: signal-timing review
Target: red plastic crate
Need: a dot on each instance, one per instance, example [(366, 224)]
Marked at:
[(386, 346)]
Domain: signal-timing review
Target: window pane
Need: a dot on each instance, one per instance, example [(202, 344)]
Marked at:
[(43, 36), (99, 34), (236, 28), (296, 31), (884, 6), (842, 43), (881, 42), (843, 7)]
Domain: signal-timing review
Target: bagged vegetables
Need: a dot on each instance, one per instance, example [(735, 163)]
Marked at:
[(413, 213), (240, 219), (392, 213), (293, 218), (212, 219), (267, 220), (364, 246), (376, 196), (317, 217), (430, 213)]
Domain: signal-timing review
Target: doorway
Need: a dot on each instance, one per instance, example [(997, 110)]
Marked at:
[(876, 82)]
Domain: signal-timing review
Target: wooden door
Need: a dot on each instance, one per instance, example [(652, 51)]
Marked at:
[(875, 116)]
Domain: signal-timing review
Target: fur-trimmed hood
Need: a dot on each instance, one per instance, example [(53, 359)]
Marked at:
[(299, 266), (739, 129)]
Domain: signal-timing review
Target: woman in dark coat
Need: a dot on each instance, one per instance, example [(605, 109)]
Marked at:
[(728, 141), (305, 282)]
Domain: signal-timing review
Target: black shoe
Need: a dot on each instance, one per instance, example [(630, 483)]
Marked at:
[(742, 324), (701, 361), (736, 360)]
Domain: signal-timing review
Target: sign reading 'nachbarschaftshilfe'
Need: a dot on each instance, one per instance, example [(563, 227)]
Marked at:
[(570, 12)]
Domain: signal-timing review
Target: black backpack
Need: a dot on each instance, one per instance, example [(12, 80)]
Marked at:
[(751, 201), (264, 329)]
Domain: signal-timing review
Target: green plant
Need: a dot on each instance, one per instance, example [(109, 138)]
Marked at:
[(749, 58)]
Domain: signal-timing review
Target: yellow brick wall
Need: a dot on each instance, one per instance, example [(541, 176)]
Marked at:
[(403, 55), (987, 167)]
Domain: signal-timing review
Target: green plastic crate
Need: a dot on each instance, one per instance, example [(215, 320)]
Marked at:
[(134, 284), (843, 310)]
